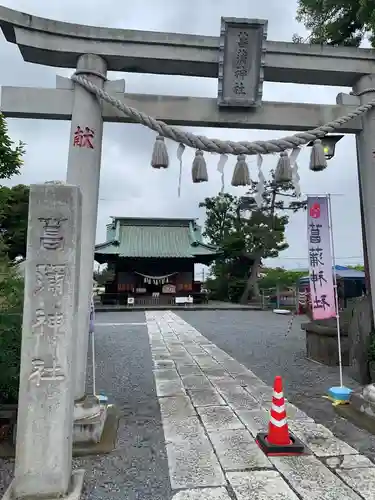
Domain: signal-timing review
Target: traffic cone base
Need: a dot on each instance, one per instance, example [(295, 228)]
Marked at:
[(295, 447)]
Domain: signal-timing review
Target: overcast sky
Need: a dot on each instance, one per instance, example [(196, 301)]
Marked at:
[(129, 186)]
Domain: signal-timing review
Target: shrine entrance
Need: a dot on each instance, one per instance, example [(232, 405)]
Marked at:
[(241, 58)]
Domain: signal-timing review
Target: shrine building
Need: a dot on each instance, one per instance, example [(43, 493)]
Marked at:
[(152, 260)]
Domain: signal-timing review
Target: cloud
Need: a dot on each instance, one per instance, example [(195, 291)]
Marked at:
[(129, 186)]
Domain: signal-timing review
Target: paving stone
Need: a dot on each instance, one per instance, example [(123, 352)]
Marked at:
[(241, 400), (234, 368), (254, 420), (262, 392), (181, 363), (160, 357), (311, 479), (238, 398), (260, 485), (190, 370), (176, 348), (237, 450), (182, 357), (176, 407), (214, 373), (164, 364), (196, 382), (217, 418), (179, 428), (294, 413), (362, 480), (202, 494), (319, 439), (193, 464), (160, 350), (169, 388), (247, 380), (224, 384), (348, 462), (157, 343), (207, 397), (166, 374), (195, 350), (215, 351), (205, 361)]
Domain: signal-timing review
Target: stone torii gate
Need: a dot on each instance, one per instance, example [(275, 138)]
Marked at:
[(67, 45), (92, 51)]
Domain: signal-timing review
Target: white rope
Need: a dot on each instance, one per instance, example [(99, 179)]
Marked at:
[(203, 143)]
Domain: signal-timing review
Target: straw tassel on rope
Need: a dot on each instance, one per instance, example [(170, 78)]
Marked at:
[(199, 168), (241, 174), (283, 172), (318, 159), (160, 158)]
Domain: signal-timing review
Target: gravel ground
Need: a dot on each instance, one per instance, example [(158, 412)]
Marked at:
[(258, 340), (138, 468)]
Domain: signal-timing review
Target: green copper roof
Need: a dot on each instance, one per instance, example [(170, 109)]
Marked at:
[(155, 238)]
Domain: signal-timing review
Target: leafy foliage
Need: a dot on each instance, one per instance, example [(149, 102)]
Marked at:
[(272, 277), (247, 234), (104, 276), (337, 22), (11, 307), (10, 154), (14, 208)]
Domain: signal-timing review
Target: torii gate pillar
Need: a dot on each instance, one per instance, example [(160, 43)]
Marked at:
[(366, 168), (85, 150)]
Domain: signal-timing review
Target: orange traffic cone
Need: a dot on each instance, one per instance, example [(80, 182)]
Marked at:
[(278, 440)]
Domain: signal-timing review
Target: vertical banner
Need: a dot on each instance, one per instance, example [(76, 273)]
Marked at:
[(320, 258)]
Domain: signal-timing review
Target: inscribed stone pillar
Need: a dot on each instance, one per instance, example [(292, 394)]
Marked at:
[(366, 166), (46, 397), (84, 159)]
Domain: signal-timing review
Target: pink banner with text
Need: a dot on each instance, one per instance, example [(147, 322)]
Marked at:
[(320, 258)]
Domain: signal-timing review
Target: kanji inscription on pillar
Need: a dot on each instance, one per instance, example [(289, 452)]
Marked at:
[(84, 137), (45, 412), (241, 60)]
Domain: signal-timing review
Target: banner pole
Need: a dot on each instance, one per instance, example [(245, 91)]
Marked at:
[(335, 287)]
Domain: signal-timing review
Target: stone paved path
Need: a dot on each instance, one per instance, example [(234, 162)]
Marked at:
[(212, 407)]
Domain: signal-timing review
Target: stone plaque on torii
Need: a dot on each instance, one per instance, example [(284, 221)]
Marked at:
[(241, 58)]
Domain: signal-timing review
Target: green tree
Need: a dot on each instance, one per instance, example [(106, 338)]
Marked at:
[(104, 276), (337, 22), (13, 201), (273, 277), (248, 233), (14, 208), (11, 155), (358, 267)]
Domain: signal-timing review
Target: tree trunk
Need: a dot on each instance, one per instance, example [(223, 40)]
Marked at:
[(252, 280)]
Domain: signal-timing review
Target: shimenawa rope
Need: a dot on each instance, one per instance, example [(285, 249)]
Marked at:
[(287, 169)]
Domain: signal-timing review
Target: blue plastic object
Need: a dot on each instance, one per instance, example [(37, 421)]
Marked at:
[(340, 394)]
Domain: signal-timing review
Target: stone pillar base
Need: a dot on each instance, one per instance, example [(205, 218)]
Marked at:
[(74, 493), (90, 429), (105, 427), (98, 436), (87, 407), (363, 400)]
